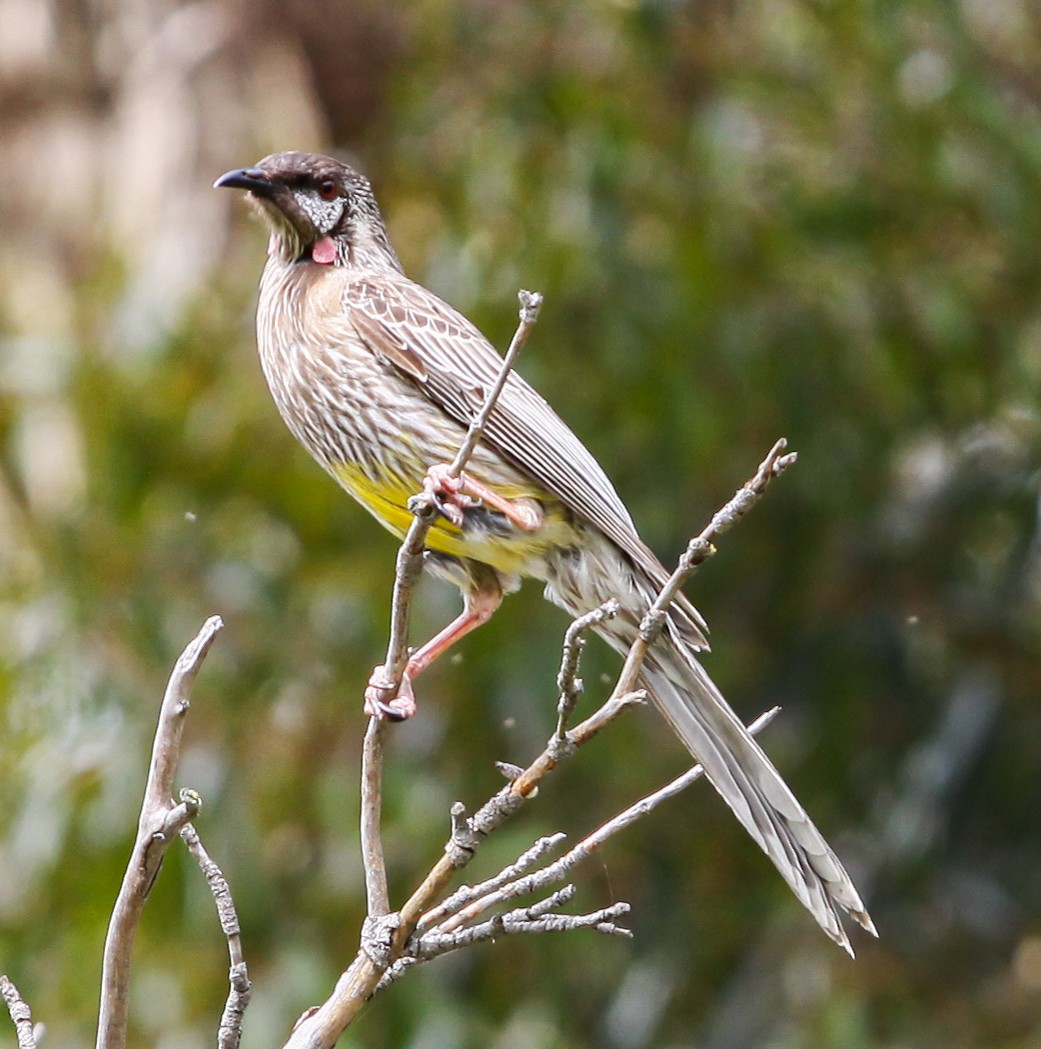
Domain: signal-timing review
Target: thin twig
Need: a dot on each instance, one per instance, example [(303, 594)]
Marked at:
[(699, 550), (409, 561), (321, 1028), (466, 893), (508, 800), (229, 1034), (376, 896), (21, 1015), (445, 923), (501, 890), (160, 819), (568, 681), (523, 920), (526, 920)]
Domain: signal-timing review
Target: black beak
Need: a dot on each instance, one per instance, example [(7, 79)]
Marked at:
[(252, 179)]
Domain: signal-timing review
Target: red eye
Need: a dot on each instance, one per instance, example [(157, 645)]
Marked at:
[(327, 189)]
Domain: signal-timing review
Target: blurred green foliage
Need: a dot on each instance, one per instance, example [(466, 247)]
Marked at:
[(816, 219)]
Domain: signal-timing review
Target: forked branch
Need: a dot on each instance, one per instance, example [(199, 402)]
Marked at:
[(423, 928), (160, 821)]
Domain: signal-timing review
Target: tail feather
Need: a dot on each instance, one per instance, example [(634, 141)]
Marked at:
[(734, 763), (747, 781)]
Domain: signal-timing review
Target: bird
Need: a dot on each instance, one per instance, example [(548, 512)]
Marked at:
[(379, 379)]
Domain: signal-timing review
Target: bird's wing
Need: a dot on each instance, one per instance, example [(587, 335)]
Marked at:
[(439, 348), (402, 321)]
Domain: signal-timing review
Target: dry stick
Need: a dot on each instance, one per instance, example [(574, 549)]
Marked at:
[(466, 893), (568, 681), (376, 896), (160, 820), (699, 550), (503, 889), (508, 800), (526, 920), (321, 1029), (229, 1034), (408, 565), (444, 923), (20, 1014), (410, 556)]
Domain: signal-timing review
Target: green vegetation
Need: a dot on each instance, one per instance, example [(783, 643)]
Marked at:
[(809, 219)]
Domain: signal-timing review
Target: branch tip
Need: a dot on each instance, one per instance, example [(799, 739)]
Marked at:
[(530, 305), (20, 1013)]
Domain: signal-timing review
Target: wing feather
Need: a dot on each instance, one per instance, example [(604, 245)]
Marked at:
[(434, 344)]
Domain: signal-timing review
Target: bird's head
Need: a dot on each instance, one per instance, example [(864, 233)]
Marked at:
[(318, 209)]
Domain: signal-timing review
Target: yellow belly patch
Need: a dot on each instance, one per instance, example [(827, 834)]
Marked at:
[(515, 551)]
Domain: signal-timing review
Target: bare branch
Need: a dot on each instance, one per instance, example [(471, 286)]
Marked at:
[(229, 1034), (464, 894), (21, 1015), (376, 966), (527, 920), (409, 560), (699, 550), (523, 920), (508, 885), (568, 681), (160, 820), (503, 804), (377, 899)]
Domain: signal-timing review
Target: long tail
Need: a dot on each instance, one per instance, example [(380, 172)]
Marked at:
[(733, 761), (747, 781)]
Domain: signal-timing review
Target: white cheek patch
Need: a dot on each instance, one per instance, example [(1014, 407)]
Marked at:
[(324, 214)]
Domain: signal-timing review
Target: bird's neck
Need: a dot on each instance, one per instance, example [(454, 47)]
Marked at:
[(366, 251), (369, 248)]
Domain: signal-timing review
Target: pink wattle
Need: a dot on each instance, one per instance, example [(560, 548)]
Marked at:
[(324, 251)]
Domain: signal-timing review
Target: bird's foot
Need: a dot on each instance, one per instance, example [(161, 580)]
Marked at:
[(454, 495), (447, 493), (386, 701)]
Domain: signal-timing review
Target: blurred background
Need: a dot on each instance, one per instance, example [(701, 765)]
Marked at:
[(811, 218)]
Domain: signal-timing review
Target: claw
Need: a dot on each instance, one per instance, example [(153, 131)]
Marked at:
[(453, 496), (383, 701), (445, 491)]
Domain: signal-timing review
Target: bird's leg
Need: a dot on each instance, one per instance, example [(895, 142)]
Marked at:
[(381, 701), (453, 495)]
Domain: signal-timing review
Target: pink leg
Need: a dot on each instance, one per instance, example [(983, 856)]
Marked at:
[(380, 702)]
